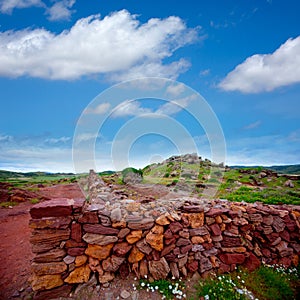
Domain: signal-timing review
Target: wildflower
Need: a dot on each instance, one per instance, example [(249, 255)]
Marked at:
[(173, 278), (156, 287), (143, 284), (135, 278), (170, 287), (134, 288), (206, 297), (145, 276), (240, 291)]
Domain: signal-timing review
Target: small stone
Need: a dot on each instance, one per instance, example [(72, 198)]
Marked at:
[(135, 255), (46, 282), (162, 220), (116, 215), (112, 263), (106, 277), (144, 246), (143, 224), (134, 236), (80, 260), (196, 219), (79, 275), (121, 249), (125, 294), (123, 232), (100, 229), (69, 259)]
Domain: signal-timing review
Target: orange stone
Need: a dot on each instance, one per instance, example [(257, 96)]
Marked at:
[(79, 275), (134, 236), (99, 252), (135, 255), (155, 238)]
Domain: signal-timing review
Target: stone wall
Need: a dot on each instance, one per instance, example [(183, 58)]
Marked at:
[(110, 235)]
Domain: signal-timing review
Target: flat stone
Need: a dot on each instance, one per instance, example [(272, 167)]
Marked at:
[(112, 263), (255, 218), (123, 233), (155, 237), (205, 265), (99, 252), (162, 220), (99, 239), (69, 259), (167, 249), (49, 236), (182, 242), (100, 229), (215, 229), (234, 249), (232, 258), (144, 246), (199, 231), (75, 251), (80, 260), (52, 222), (143, 224), (251, 262), (76, 232), (125, 294), (74, 244), (89, 217), (45, 282), (175, 227), (193, 266), (53, 208), (197, 240), (193, 208), (121, 249), (213, 212), (50, 256), (267, 220), (58, 292), (135, 255), (79, 275), (159, 269), (186, 249), (231, 241), (134, 236), (51, 268)]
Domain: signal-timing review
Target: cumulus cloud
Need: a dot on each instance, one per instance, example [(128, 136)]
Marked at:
[(60, 10), (7, 6), (266, 72), (117, 46), (99, 109)]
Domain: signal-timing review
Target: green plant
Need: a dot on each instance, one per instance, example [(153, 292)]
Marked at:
[(34, 201), (7, 204)]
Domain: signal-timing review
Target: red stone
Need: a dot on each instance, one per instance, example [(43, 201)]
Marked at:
[(76, 251), (100, 229), (213, 212), (285, 235), (168, 234), (53, 208), (182, 242), (266, 252), (170, 241), (232, 258), (193, 266), (62, 291), (167, 249), (223, 268), (122, 249), (89, 217), (74, 244), (186, 249), (215, 229), (231, 241), (175, 227), (76, 232), (251, 262)]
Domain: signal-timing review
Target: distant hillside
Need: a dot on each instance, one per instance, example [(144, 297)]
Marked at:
[(9, 174), (284, 169)]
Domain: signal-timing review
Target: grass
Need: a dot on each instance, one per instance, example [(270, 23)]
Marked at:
[(266, 282), (7, 204), (34, 200)]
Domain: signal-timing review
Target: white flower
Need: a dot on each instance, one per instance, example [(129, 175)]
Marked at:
[(206, 297), (135, 278), (173, 278), (170, 287), (145, 276), (156, 287), (143, 284), (134, 288)]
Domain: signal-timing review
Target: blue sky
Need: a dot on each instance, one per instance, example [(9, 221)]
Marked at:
[(243, 57)]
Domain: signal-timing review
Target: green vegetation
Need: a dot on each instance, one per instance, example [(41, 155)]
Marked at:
[(34, 201), (267, 282), (168, 289), (7, 204)]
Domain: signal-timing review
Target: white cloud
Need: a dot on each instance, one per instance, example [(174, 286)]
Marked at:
[(117, 46), (252, 125), (98, 110), (130, 108), (5, 138), (60, 10), (7, 6), (63, 139), (175, 89), (266, 72), (175, 106)]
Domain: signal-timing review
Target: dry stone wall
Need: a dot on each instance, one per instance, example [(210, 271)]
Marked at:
[(107, 235)]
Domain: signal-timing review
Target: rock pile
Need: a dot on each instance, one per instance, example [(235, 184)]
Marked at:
[(108, 235)]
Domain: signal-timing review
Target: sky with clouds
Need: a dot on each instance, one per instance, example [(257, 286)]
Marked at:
[(242, 57)]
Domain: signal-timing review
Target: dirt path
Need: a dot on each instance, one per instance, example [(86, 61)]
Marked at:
[(15, 249)]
